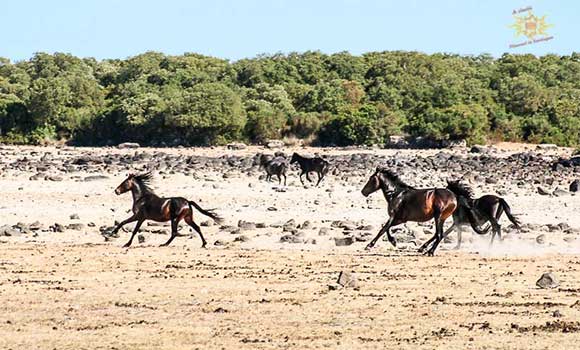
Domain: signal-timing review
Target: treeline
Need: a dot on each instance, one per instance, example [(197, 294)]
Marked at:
[(337, 99)]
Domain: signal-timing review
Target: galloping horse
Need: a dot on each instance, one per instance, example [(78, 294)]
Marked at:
[(406, 203), (308, 165), (148, 206), (488, 208)]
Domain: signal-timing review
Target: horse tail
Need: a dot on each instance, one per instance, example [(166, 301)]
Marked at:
[(509, 214), (209, 212)]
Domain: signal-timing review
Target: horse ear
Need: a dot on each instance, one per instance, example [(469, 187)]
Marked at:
[(378, 168)]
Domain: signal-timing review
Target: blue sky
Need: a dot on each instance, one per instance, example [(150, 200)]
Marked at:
[(244, 28)]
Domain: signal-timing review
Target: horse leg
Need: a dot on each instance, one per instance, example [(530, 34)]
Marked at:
[(438, 232), (459, 232), (319, 178), (196, 228), (284, 179), (430, 240), (123, 223), (302, 180), (447, 233), (279, 179), (496, 228), (174, 223), (128, 244), (308, 176), (426, 244), (384, 229)]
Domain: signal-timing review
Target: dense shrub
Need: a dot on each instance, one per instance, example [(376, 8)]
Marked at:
[(340, 99)]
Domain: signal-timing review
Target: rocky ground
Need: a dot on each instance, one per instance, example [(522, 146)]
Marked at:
[(269, 277)]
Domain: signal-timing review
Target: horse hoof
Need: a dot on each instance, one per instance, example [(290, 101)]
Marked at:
[(126, 246), (369, 247)]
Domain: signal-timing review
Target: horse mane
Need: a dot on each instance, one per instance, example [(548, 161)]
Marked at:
[(394, 179), (145, 180), (461, 189)]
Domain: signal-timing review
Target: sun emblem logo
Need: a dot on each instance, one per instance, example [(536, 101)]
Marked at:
[(530, 25)]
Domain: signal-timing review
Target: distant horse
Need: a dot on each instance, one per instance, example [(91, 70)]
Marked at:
[(308, 165), (488, 208), (274, 166), (148, 206), (406, 203)]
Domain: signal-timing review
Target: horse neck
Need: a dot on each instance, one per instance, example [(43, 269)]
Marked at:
[(138, 191), (300, 160), (388, 194)]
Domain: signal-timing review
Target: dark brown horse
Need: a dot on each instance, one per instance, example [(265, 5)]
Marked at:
[(488, 208), (307, 165), (406, 203), (148, 206), (274, 166)]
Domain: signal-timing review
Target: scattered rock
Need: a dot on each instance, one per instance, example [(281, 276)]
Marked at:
[(546, 147), (575, 186), (95, 178), (543, 192), (220, 243), (324, 231), (236, 146), (290, 239), (75, 227), (478, 149), (334, 286), (74, 217), (9, 231), (207, 223), (128, 145), (141, 239), (558, 192), (54, 178), (347, 279), (57, 228), (548, 281), (242, 238), (245, 225), (275, 144), (541, 239), (341, 242)]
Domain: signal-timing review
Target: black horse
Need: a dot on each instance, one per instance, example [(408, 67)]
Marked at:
[(406, 203), (148, 206), (488, 208), (307, 165), (274, 166)]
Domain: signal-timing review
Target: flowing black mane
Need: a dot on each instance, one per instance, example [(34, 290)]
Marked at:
[(461, 189), (145, 180), (394, 179)]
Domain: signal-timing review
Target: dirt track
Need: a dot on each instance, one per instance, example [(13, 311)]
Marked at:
[(72, 290), (100, 296)]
